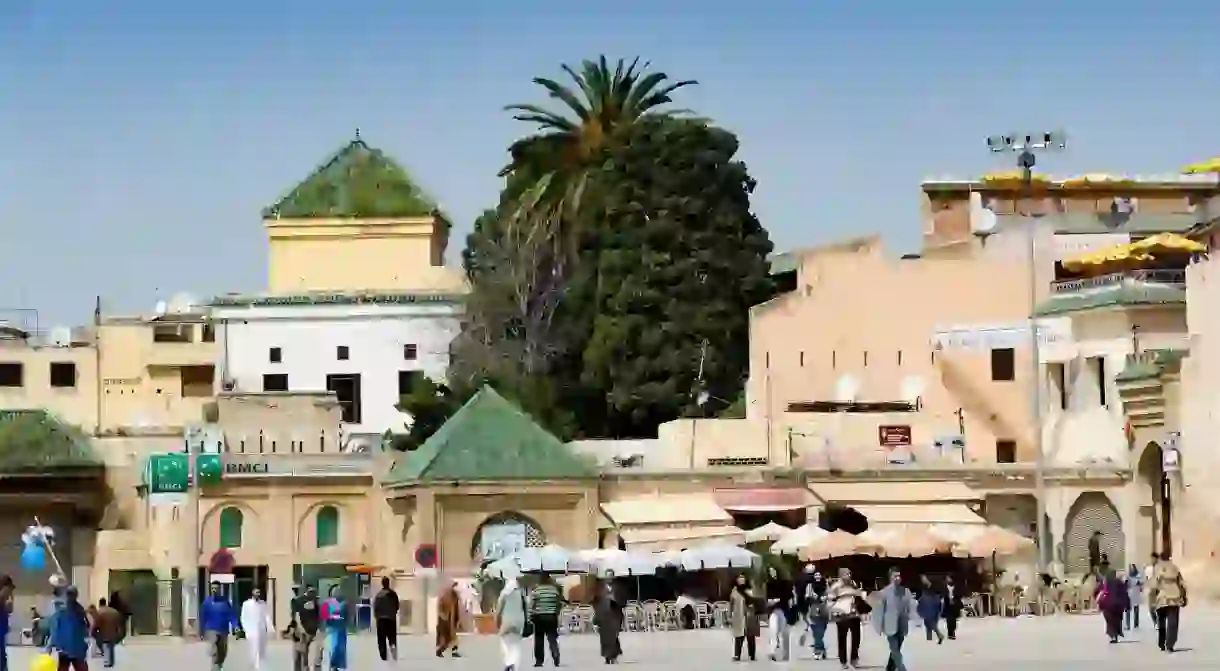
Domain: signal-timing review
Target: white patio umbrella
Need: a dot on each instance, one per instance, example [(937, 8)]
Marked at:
[(767, 532), (549, 559), (796, 539), (716, 555), (610, 561)]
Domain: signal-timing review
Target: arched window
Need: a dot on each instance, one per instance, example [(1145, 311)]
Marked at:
[(231, 519), (327, 526)]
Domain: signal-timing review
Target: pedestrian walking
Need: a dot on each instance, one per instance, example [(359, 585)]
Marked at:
[(6, 611), (931, 602), (1167, 594), (257, 627), (1135, 596), (608, 618), (1112, 601), (448, 617), (385, 621), (217, 620), (545, 606), (817, 613), (107, 630), (334, 618), (781, 614), (847, 605), (70, 632), (952, 607), (306, 620), (512, 622), (743, 618), (895, 607), (1148, 585)]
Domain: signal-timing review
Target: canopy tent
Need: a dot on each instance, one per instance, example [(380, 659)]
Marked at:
[(1148, 249), (1209, 166)]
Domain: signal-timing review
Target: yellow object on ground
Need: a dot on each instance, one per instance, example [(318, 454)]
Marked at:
[(43, 662)]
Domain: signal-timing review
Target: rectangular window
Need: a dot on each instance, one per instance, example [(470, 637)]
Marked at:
[(1100, 368), (63, 374), (209, 333), (172, 332), (12, 375), (406, 380), (1058, 375), (342, 353), (410, 352), (197, 381), (1003, 364), (347, 388), (1006, 451), (275, 382), (275, 355)]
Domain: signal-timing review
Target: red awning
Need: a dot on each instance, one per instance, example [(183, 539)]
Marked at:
[(762, 499)]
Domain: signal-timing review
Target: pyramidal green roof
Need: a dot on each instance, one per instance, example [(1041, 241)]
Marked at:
[(489, 438), (33, 441), (357, 182)]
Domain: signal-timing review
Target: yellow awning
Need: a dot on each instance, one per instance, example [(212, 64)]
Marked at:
[(654, 539), (1210, 165), (1143, 250), (1095, 179), (1013, 176), (666, 509)]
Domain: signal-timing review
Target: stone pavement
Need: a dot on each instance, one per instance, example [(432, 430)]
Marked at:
[(1041, 644)]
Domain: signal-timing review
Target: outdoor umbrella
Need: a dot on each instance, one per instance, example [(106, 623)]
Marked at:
[(549, 559), (714, 556), (792, 542), (767, 532), (907, 541), (834, 544), (993, 540), (606, 562)]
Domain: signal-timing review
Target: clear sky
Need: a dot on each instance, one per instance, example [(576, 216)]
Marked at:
[(140, 139)]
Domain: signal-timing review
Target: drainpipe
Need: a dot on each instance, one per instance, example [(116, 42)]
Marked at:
[(97, 364)]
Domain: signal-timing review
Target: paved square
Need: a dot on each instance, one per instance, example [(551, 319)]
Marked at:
[(993, 644)]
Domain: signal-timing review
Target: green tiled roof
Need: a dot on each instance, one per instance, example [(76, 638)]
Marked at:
[(1120, 294), (357, 182), (489, 438), (1149, 364), (32, 441)]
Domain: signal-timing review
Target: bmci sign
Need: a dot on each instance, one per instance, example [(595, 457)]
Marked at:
[(247, 468)]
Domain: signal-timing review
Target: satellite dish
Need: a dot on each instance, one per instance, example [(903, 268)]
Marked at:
[(182, 304), (982, 218), (846, 389), (913, 387), (160, 308)]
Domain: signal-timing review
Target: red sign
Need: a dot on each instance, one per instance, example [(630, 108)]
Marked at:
[(894, 436), (425, 556), (222, 562)]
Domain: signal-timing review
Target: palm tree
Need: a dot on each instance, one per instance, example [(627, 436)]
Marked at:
[(551, 168)]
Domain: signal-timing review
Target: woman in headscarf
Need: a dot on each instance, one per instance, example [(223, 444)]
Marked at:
[(743, 617), (608, 616), (817, 613), (448, 613), (1135, 596), (1112, 600), (511, 622), (334, 612), (781, 604)]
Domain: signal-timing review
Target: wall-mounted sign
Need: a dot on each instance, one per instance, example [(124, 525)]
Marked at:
[(288, 466), (120, 382), (894, 435), (167, 474)]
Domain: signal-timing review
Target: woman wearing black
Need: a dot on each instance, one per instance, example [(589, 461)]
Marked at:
[(781, 613), (952, 608), (743, 618), (845, 597)]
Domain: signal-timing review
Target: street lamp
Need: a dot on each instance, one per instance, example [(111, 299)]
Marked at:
[(1026, 146)]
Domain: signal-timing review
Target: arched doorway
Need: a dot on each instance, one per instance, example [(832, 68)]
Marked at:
[(1150, 473), (1092, 513), (497, 537)]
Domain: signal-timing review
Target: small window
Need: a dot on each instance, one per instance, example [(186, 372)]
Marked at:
[(275, 355), (63, 374), (12, 375), (410, 352), (231, 521), (406, 381), (866, 358), (209, 333), (326, 527), (275, 382), (802, 360), (1006, 451), (342, 353), (1003, 364), (1058, 375), (899, 357)]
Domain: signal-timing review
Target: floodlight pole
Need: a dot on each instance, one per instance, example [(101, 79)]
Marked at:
[(1025, 147)]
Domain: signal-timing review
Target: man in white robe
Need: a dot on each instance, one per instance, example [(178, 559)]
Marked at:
[(257, 626)]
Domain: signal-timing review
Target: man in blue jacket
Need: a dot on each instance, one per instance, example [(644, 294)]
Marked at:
[(217, 619), (70, 632)]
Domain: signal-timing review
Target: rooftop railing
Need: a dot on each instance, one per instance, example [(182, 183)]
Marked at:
[(1171, 277)]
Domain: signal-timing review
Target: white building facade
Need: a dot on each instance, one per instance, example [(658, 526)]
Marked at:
[(363, 347)]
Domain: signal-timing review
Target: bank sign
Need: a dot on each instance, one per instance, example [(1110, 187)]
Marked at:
[(168, 474)]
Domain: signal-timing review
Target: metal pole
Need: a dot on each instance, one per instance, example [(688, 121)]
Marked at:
[(192, 460), (1036, 379)]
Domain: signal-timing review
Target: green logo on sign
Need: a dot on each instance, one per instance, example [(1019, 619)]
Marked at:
[(168, 474), (209, 468)]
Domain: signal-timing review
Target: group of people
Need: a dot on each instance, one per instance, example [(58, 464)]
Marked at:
[(72, 630), (521, 615), (1119, 597), (843, 603)]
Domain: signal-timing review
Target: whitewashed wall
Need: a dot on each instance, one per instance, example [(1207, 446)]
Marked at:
[(309, 336)]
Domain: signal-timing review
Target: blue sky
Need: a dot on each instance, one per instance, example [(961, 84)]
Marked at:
[(140, 139)]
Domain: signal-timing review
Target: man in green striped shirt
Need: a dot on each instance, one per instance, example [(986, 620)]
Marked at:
[(545, 604)]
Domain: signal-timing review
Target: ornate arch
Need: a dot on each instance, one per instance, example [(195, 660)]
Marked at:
[(216, 515), (1093, 512), (534, 535), (310, 516)]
